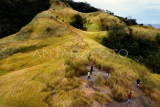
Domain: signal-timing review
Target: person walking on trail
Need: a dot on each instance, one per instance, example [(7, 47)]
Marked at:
[(138, 81), (129, 98), (91, 72), (91, 67), (88, 75), (107, 74), (99, 67)]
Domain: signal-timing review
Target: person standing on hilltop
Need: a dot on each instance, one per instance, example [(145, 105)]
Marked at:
[(129, 98), (138, 81), (99, 67)]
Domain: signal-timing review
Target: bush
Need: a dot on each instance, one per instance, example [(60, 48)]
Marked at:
[(147, 90), (48, 29), (99, 81), (108, 68), (152, 93), (9, 52), (80, 99), (31, 48), (76, 67), (119, 93), (70, 74), (101, 98), (68, 84), (78, 23)]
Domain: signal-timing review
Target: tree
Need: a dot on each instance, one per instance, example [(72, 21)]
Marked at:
[(116, 33), (78, 23), (158, 38)]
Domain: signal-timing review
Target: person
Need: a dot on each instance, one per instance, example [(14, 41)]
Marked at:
[(138, 81), (99, 67), (88, 75), (91, 67), (91, 72), (129, 98), (107, 74)]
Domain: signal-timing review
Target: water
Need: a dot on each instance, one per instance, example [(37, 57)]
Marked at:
[(154, 25)]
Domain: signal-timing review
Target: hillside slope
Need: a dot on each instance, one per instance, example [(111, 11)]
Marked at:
[(35, 62)]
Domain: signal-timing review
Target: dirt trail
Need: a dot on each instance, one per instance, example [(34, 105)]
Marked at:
[(135, 102), (93, 76)]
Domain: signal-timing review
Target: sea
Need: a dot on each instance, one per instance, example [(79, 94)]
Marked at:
[(154, 25)]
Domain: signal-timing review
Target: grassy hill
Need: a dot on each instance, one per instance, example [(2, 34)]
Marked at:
[(35, 62)]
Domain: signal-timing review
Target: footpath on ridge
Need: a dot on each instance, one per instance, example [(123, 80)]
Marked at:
[(140, 101)]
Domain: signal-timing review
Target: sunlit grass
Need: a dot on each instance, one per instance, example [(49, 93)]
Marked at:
[(41, 80), (145, 33)]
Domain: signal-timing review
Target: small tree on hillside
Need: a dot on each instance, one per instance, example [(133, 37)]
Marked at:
[(116, 33), (78, 23)]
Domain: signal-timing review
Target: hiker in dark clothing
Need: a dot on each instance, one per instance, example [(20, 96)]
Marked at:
[(91, 72), (129, 98), (138, 81), (91, 67), (99, 67)]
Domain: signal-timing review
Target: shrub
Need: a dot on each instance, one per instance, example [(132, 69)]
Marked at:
[(9, 52), (84, 20), (147, 90), (31, 48), (107, 68), (119, 93), (152, 93), (70, 74), (76, 67), (68, 84), (99, 81), (48, 29), (80, 99), (101, 98), (78, 23)]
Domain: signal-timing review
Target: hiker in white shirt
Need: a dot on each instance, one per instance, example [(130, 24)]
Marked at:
[(88, 75)]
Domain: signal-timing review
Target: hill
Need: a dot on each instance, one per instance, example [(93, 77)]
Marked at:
[(40, 64)]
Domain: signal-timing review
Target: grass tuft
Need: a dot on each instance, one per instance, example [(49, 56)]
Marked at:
[(101, 98), (99, 81)]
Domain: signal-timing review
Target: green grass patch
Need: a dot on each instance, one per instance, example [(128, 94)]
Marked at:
[(3, 72), (31, 48)]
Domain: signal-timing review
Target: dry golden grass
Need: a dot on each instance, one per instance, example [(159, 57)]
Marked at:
[(147, 33), (152, 93), (40, 81), (100, 82), (101, 98)]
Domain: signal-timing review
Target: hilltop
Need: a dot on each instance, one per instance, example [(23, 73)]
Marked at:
[(40, 64)]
